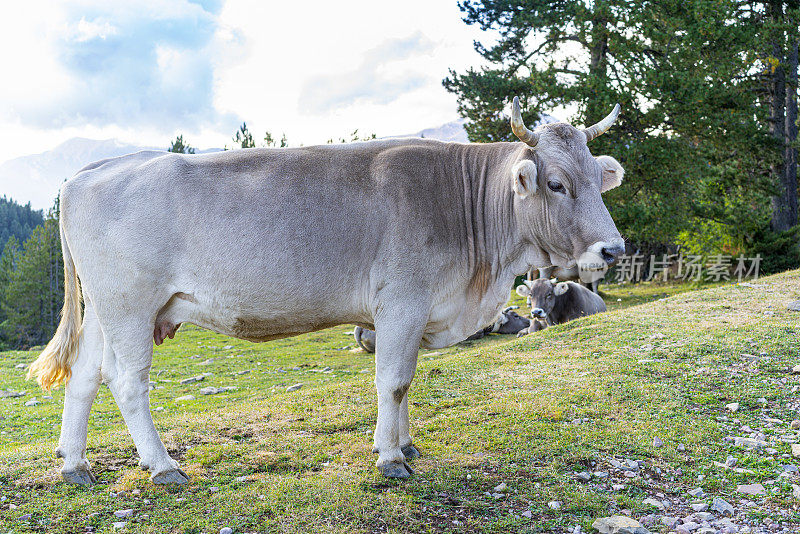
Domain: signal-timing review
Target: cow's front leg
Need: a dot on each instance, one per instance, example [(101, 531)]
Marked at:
[(397, 342), (406, 444), (130, 387)]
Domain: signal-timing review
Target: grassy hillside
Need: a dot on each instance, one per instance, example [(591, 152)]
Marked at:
[(588, 397)]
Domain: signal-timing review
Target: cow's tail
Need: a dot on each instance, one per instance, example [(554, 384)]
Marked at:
[(54, 364)]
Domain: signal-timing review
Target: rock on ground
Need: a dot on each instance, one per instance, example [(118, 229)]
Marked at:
[(211, 390), (722, 507), (749, 443), (295, 387), (653, 502), (192, 379), (619, 524), (751, 489), (669, 521), (698, 493)]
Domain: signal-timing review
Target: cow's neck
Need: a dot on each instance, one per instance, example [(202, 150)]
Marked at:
[(495, 252)]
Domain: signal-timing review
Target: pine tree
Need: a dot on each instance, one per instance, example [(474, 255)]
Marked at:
[(270, 141), (8, 261), (243, 137), (34, 292), (779, 21), (180, 146), (691, 135), (17, 220)]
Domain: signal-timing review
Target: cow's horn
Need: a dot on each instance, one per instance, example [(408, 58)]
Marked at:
[(601, 127), (518, 127)]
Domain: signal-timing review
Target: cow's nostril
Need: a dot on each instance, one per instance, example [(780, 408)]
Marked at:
[(610, 254)]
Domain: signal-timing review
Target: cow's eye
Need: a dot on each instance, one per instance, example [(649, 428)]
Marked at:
[(556, 187)]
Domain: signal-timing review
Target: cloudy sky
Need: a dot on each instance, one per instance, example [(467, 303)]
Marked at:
[(144, 71)]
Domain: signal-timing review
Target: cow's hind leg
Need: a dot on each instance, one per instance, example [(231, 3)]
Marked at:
[(398, 332), (81, 391), (126, 368)]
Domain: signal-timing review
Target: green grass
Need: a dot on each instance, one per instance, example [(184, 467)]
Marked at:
[(529, 412)]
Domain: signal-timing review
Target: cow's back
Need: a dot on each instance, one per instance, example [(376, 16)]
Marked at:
[(577, 302)]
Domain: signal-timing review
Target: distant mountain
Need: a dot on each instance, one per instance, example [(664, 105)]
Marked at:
[(455, 132), (37, 177), (451, 131)]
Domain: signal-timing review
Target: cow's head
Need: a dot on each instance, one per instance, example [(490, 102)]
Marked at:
[(557, 184), (509, 322), (542, 294)]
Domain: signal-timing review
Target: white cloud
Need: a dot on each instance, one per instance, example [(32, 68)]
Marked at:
[(86, 30), (290, 46), (378, 79), (152, 64), (144, 71)]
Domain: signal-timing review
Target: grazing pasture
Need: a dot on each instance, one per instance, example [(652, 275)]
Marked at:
[(537, 433)]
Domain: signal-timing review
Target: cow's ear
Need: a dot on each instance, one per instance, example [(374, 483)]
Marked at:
[(524, 178), (524, 289), (561, 288), (612, 172)]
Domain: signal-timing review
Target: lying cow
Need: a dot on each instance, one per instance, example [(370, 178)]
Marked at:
[(508, 322), (558, 302), (365, 338), (227, 241)]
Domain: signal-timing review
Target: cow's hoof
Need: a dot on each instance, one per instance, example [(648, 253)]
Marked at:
[(173, 476), (396, 470), (410, 452), (375, 449), (84, 477)]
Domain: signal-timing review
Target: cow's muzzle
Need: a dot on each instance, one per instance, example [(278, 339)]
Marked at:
[(538, 313), (609, 251)]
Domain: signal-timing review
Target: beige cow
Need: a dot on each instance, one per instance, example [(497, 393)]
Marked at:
[(228, 240)]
